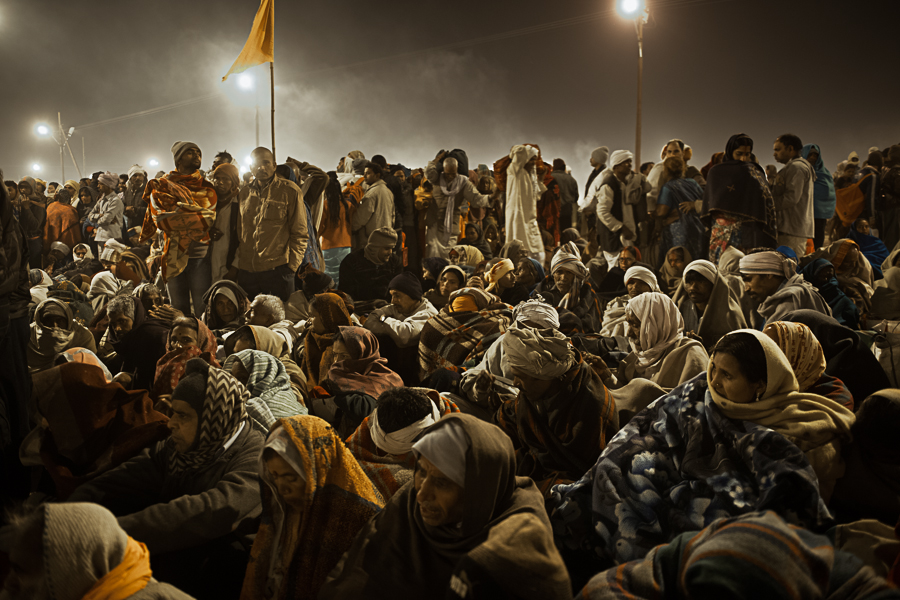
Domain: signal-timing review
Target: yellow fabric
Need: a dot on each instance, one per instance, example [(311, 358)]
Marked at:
[(464, 304), (260, 46), (75, 185), (131, 576), (817, 425)]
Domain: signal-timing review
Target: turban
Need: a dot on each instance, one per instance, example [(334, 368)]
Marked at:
[(401, 441), (541, 354), (661, 326), (110, 180), (537, 312), (704, 268), (446, 447), (479, 297), (228, 171), (600, 155), (135, 169), (620, 156), (769, 262), (568, 258), (642, 274), (408, 284), (499, 270), (179, 148)]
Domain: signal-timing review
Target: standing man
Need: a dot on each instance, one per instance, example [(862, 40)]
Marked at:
[(524, 187), (224, 236), (568, 194), (108, 212), (185, 256), (793, 192), (376, 209), (133, 198), (599, 156), (272, 230), (32, 215)]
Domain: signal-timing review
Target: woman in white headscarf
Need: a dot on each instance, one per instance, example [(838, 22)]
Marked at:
[(638, 280), (709, 305), (54, 330), (660, 351)]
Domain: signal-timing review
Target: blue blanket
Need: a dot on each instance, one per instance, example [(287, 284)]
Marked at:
[(678, 466)]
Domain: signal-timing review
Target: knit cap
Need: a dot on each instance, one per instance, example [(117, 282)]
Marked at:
[(407, 283)]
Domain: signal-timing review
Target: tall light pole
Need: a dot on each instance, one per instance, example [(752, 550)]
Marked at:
[(246, 82), (63, 141), (637, 10)]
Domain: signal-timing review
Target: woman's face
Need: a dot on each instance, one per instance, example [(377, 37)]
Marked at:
[(289, 484), (448, 284), (440, 499), (743, 153), (636, 287), (564, 280), (318, 325), (226, 309), (813, 157), (184, 338), (507, 281), (862, 226), (676, 261), (626, 260), (726, 377), (340, 351)]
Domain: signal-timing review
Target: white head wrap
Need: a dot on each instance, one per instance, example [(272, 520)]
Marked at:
[(568, 257), (543, 354), (538, 312), (620, 156), (445, 447), (704, 268), (642, 274), (111, 250), (401, 441), (661, 327), (135, 169), (768, 263)]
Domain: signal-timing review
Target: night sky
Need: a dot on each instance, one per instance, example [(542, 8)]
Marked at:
[(405, 78)]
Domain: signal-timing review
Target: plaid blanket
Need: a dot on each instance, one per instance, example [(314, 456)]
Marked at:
[(451, 338)]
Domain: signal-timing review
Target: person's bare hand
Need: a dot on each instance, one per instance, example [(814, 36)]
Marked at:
[(440, 156), (215, 234), (693, 336), (686, 207), (626, 233), (598, 365), (166, 312)]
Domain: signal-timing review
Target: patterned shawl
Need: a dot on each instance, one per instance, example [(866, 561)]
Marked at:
[(450, 339), (170, 367), (365, 371), (802, 349), (183, 207), (297, 548), (677, 466), (269, 387), (561, 435), (223, 414)]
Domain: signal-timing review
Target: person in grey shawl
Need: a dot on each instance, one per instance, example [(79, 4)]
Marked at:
[(771, 279)]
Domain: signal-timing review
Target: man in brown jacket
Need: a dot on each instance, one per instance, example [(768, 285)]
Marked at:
[(271, 229)]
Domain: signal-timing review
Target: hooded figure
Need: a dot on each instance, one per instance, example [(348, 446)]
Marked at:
[(54, 330), (721, 311), (271, 395), (569, 287)]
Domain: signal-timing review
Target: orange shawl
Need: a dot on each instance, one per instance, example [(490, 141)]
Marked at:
[(62, 225)]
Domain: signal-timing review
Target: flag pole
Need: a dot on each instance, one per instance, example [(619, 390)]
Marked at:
[(272, 78)]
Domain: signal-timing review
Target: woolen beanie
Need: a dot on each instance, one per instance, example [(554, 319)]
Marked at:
[(383, 238), (191, 387), (407, 283), (600, 155), (179, 148)]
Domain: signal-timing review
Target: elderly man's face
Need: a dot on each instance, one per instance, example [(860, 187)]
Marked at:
[(263, 165), (138, 179), (636, 287), (260, 315), (402, 302), (564, 280), (440, 499)]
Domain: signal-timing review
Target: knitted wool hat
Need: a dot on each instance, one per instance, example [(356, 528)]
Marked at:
[(407, 283), (383, 238)]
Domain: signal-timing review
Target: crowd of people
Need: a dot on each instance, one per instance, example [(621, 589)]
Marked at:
[(454, 381)]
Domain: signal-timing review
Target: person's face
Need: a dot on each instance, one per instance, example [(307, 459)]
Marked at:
[(340, 351), (634, 327), (263, 165), (184, 338), (525, 274), (85, 197), (51, 189), (862, 226), (825, 273), (81, 253), (674, 149), (288, 483), (384, 254), (402, 302), (533, 388), (743, 153), (726, 378), (760, 287), (370, 176), (850, 171), (676, 261), (56, 321), (224, 186), (647, 168), (151, 301), (636, 287), (226, 309), (216, 162), (771, 172), (626, 260), (813, 157), (191, 159), (183, 425), (260, 315), (24, 189), (622, 169), (138, 179), (122, 186), (440, 500), (401, 176), (104, 189), (781, 153), (71, 191), (698, 289), (13, 192), (564, 280), (318, 325), (507, 281), (121, 324), (448, 284)]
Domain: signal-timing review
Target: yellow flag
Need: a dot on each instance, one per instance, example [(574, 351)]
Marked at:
[(260, 46)]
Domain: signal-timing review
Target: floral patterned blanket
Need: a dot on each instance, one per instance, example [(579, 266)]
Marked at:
[(678, 466)]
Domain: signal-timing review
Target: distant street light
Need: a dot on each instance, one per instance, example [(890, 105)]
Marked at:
[(637, 10), (153, 162), (42, 130), (248, 160), (36, 167)]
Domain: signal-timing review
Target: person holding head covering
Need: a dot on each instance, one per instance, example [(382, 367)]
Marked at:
[(182, 205), (383, 442), (269, 387), (709, 306), (107, 214), (366, 272), (820, 273), (196, 494), (660, 351), (736, 558), (449, 279), (569, 287), (563, 415), (744, 218), (402, 320), (805, 355), (79, 551), (638, 280), (524, 187), (189, 338), (54, 330), (676, 210), (462, 331), (500, 277), (315, 499), (138, 339), (619, 191), (824, 198), (62, 223), (771, 280), (466, 523), (327, 313)]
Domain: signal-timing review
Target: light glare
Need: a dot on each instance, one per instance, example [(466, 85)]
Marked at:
[(153, 162), (35, 167), (629, 8), (42, 129), (245, 81)]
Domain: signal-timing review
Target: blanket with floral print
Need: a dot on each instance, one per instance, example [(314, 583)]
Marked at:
[(677, 466)]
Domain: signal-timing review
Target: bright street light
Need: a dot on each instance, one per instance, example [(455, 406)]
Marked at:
[(153, 162), (35, 167), (42, 130), (245, 81), (629, 8), (248, 160)]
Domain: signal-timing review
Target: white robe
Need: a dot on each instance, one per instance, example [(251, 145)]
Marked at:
[(521, 201)]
